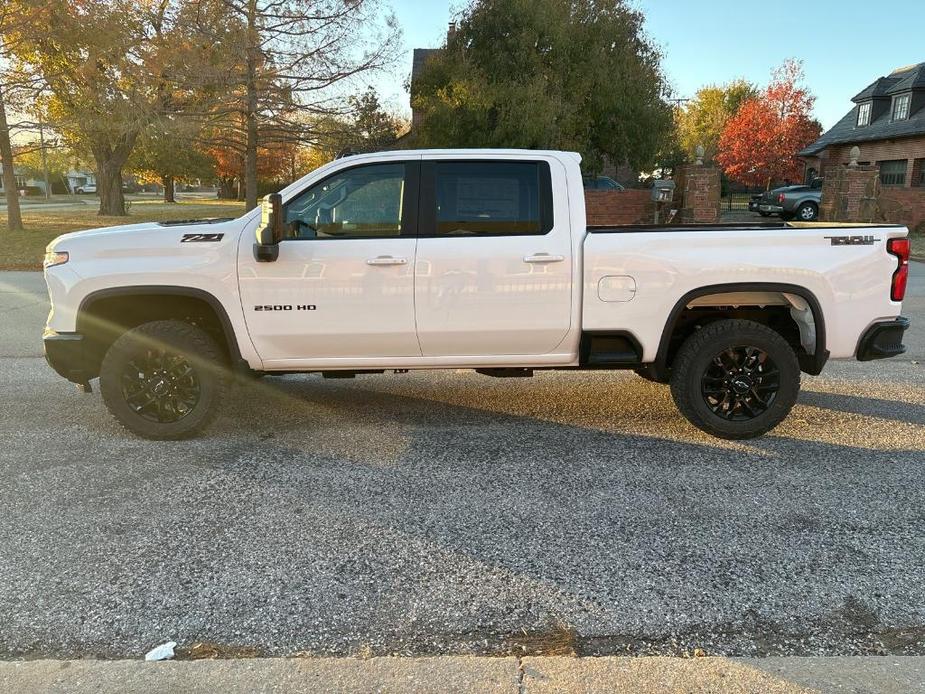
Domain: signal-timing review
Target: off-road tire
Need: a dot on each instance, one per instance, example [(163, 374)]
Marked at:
[(178, 340), (696, 355)]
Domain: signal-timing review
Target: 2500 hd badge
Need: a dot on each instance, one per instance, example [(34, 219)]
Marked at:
[(287, 307)]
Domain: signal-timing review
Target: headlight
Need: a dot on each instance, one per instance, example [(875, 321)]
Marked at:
[(53, 258)]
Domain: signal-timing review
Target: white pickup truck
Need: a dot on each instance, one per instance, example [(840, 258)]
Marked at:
[(476, 259)]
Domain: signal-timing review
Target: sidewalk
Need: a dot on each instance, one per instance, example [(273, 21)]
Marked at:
[(876, 675)]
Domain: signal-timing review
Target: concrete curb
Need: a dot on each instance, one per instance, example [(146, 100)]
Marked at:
[(876, 675)]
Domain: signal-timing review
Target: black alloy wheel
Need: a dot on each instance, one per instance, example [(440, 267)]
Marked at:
[(164, 379), (740, 383), (735, 379), (160, 386)]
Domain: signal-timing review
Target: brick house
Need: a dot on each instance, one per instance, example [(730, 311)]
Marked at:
[(887, 124)]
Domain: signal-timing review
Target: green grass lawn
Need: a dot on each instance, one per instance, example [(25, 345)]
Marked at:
[(23, 250)]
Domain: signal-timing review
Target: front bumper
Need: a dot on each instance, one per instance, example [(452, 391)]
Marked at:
[(66, 353), (883, 340)]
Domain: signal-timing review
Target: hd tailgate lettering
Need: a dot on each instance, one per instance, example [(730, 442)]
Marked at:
[(853, 240), (201, 238)]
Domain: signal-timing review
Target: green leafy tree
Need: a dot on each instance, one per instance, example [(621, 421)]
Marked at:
[(59, 159), (369, 127), (702, 120), (578, 75), (109, 68), (168, 152)]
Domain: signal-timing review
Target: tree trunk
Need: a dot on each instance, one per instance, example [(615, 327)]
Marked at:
[(250, 157), (109, 163), (167, 182), (109, 188), (13, 215), (226, 188)]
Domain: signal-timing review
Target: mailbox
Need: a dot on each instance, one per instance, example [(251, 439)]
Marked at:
[(662, 190)]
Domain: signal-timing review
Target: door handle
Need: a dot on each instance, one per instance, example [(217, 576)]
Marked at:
[(387, 260), (544, 258)]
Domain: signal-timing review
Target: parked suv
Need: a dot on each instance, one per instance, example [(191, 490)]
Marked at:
[(800, 201)]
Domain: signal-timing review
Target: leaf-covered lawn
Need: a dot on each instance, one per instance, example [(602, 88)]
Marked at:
[(23, 250)]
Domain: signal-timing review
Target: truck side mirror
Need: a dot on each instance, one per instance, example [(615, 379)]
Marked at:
[(270, 230)]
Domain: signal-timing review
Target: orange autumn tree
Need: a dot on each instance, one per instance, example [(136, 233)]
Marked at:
[(759, 144)]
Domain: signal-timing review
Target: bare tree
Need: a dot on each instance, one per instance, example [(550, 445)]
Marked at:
[(289, 62)]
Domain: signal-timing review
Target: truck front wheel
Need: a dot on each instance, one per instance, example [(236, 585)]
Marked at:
[(735, 379), (163, 380)]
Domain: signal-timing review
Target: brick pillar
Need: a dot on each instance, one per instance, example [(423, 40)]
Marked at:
[(700, 194), (851, 194)]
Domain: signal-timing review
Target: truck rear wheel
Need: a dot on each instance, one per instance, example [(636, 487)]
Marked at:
[(735, 379), (163, 380)]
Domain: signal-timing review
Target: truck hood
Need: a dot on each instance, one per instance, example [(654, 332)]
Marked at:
[(194, 225)]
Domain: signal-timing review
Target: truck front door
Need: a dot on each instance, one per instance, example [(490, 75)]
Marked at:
[(493, 272), (343, 284)]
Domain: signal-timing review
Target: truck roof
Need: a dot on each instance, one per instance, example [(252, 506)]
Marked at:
[(472, 151)]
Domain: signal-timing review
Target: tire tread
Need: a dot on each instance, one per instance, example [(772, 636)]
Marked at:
[(172, 332), (690, 351)]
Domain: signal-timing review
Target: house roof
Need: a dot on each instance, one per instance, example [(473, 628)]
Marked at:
[(903, 79)]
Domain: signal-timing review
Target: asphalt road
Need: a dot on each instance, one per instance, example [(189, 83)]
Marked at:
[(454, 513)]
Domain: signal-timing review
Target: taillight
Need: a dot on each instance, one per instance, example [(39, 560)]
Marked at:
[(900, 248), (780, 198)]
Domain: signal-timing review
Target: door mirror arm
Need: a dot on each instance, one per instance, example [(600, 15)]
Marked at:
[(270, 229)]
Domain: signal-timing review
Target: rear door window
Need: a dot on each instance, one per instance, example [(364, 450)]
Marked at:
[(495, 198)]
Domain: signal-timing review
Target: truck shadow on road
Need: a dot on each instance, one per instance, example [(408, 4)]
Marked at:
[(911, 413), (448, 513)]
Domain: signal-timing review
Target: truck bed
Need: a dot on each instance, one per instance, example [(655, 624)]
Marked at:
[(637, 275)]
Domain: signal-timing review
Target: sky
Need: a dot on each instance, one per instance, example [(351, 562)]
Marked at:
[(844, 44)]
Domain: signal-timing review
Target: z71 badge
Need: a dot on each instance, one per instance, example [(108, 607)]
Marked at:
[(853, 240), (201, 238)]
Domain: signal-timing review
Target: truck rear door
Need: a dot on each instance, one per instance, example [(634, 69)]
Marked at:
[(493, 274)]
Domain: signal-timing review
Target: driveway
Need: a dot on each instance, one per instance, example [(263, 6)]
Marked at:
[(453, 513)]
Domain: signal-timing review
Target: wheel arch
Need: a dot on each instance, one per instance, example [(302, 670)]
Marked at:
[(810, 363), (105, 313)]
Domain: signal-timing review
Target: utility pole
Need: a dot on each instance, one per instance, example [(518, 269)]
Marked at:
[(44, 159)]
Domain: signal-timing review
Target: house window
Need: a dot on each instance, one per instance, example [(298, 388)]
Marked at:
[(864, 114), (901, 107), (893, 172)]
